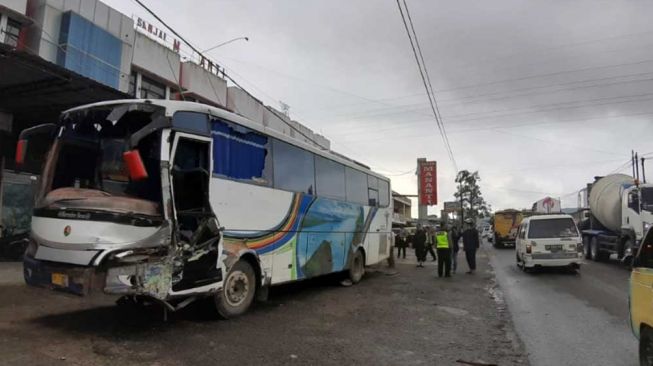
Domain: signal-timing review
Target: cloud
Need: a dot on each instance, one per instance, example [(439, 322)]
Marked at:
[(538, 96)]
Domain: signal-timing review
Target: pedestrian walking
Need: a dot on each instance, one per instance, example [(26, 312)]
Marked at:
[(471, 243), (443, 240), (391, 257), (455, 237), (430, 243), (419, 243), (401, 243)]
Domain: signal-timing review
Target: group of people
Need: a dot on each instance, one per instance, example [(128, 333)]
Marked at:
[(446, 243)]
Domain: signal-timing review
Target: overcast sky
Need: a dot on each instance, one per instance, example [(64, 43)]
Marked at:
[(538, 96)]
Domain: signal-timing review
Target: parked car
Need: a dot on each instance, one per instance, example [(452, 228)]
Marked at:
[(640, 294), (548, 241)]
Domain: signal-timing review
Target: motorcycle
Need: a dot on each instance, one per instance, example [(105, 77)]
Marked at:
[(12, 243)]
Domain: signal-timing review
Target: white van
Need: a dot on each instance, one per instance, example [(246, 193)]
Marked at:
[(548, 241)]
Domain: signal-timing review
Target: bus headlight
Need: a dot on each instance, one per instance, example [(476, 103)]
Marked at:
[(31, 249)]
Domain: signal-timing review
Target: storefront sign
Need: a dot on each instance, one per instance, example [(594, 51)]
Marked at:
[(428, 189), (157, 33), (451, 206)]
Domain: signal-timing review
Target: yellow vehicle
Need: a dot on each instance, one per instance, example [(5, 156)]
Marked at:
[(505, 227), (641, 298)]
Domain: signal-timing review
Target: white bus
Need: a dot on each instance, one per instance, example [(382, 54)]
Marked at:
[(176, 201)]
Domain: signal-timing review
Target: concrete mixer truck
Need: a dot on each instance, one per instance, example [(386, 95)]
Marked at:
[(620, 212)]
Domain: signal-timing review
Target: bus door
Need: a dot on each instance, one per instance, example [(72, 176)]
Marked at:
[(197, 229)]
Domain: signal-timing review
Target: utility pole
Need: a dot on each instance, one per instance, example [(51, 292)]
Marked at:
[(636, 166), (632, 161), (643, 172)]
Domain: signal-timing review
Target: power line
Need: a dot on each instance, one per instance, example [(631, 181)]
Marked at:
[(423, 70), (408, 108), (554, 107)]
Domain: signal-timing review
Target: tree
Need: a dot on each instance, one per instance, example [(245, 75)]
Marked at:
[(469, 193)]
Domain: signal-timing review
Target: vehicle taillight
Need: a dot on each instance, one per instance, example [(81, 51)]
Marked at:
[(529, 249)]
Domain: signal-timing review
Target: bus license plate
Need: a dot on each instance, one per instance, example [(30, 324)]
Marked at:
[(60, 279)]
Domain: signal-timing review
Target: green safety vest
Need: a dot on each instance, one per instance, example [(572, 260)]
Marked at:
[(443, 239)]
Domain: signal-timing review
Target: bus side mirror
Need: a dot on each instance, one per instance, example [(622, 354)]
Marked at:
[(33, 153), (135, 165)]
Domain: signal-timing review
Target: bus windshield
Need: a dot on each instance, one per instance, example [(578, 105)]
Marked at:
[(85, 168), (552, 228)]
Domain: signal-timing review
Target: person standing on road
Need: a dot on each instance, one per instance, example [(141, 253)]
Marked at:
[(419, 243), (471, 243), (455, 237), (443, 240), (400, 244), (430, 242)]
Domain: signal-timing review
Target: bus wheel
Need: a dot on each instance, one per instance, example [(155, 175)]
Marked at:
[(646, 347), (357, 268), (237, 291)]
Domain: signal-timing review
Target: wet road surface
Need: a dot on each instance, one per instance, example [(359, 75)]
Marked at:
[(569, 319)]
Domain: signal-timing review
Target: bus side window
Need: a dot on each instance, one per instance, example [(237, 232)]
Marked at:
[(240, 153), (384, 193), (294, 168)]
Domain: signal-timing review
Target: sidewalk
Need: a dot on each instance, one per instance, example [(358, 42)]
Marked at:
[(464, 317)]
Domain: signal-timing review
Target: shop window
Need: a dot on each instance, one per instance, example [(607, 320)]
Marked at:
[(12, 33), (241, 153), (294, 168), (151, 89), (329, 178), (132, 84)]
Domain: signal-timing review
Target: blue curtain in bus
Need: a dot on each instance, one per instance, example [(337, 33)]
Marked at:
[(238, 152)]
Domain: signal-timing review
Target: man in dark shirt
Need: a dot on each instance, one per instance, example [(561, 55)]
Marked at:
[(471, 243), (419, 243)]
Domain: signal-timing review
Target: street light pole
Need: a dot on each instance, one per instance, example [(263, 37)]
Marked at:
[(224, 43)]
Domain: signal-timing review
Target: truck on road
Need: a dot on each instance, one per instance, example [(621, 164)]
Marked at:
[(505, 227), (620, 212)]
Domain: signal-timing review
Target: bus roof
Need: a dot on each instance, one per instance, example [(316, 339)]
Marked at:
[(173, 106)]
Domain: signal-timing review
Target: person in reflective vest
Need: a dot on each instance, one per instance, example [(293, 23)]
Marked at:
[(443, 247)]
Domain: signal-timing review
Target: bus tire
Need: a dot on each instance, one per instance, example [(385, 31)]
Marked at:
[(646, 346), (238, 290), (357, 267)]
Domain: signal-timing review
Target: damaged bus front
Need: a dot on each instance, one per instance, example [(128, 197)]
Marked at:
[(131, 193), (103, 221)]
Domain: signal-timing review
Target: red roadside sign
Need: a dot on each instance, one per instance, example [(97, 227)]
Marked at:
[(428, 188)]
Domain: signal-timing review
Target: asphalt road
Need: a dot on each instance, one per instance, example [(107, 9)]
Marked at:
[(405, 316), (569, 319)]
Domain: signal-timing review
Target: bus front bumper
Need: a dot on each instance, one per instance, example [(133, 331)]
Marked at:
[(74, 279)]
